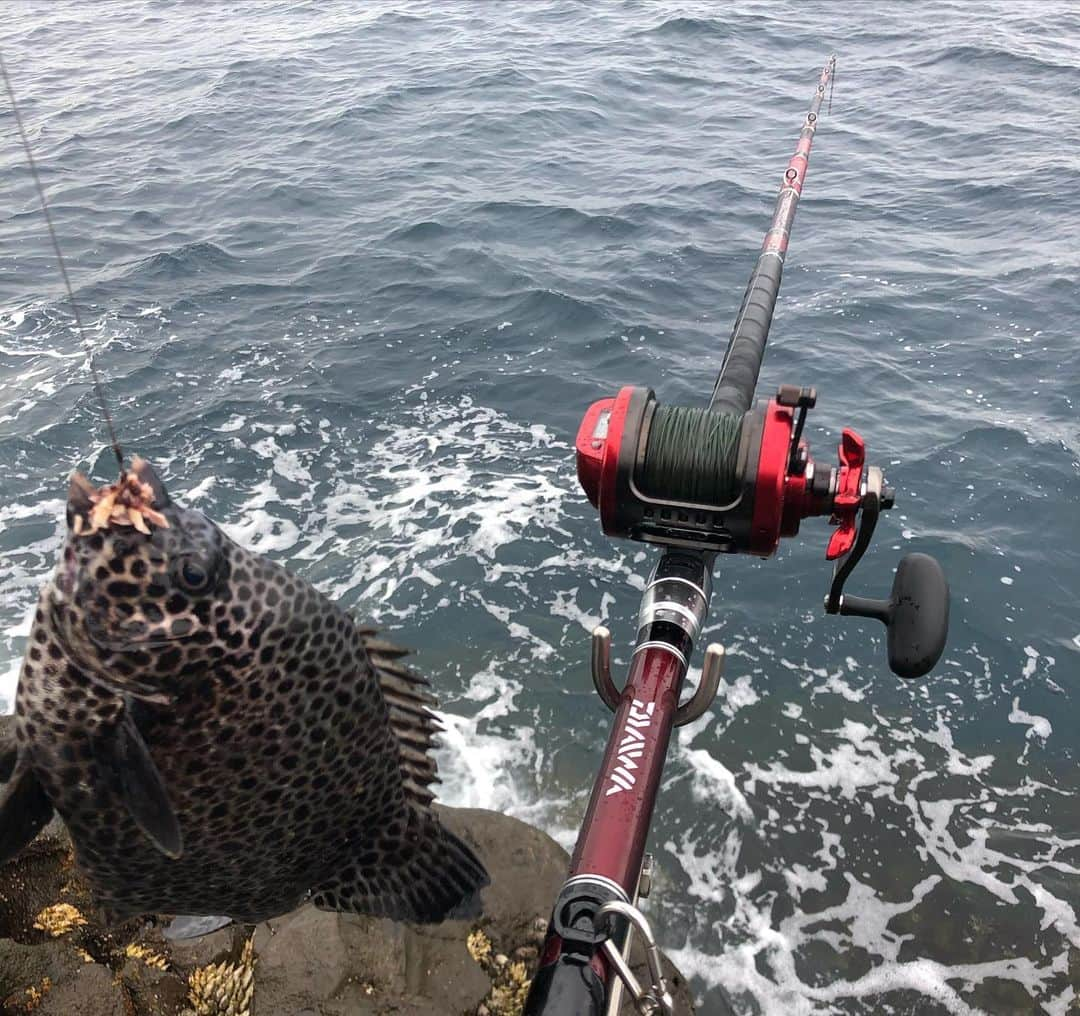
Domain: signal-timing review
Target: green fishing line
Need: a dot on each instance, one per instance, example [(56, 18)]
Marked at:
[(691, 455)]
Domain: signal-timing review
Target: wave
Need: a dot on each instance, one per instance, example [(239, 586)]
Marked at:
[(551, 312), (562, 219), (684, 27), (1000, 58), (197, 257)]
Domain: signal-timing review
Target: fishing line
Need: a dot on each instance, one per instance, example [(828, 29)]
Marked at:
[(691, 454), (99, 388)]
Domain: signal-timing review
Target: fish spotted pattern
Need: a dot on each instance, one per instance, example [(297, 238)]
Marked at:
[(221, 738)]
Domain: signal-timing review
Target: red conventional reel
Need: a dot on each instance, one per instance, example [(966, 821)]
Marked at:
[(717, 482), (724, 483)]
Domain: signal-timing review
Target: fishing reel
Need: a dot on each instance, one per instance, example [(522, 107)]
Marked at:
[(729, 484)]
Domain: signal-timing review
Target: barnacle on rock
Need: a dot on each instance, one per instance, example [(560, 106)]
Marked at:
[(148, 956), (479, 946), (58, 920), (224, 989), (35, 996), (509, 980), (508, 996)]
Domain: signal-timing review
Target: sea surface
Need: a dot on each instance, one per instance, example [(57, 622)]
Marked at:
[(353, 272)]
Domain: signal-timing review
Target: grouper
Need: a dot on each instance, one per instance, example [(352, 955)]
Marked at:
[(218, 736)]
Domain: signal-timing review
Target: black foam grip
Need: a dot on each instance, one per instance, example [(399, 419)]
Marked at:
[(734, 391)]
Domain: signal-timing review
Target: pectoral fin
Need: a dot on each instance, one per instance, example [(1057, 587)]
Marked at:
[(24, 811), (139, 784)]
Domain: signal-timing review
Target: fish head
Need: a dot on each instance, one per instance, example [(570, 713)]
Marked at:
[(131, 601)]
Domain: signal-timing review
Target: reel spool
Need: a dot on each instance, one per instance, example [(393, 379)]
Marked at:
[(722, 483)]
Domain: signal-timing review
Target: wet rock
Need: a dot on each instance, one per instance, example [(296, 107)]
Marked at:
[(306, 963), (150, 983), (527, 869), (223, 944), (30, 971), (92, 992)]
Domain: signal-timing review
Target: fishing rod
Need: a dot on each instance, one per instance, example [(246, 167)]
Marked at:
[(733, 477)]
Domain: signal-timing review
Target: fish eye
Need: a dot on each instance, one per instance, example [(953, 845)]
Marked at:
[(192, 575)]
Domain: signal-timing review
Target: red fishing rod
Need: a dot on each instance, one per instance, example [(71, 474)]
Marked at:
[(732, 477)]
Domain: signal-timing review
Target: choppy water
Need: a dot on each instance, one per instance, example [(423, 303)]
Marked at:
[(354, 274)]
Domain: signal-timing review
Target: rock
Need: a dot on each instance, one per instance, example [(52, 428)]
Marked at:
[(301, 960), (92, 992), (527, 869), (438, 966), (223, 944), (312, 958), (26, 969), (163, 992), (34, 880), (306, 963)]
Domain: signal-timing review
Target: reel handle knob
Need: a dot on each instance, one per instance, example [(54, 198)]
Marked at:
[(916, 615)]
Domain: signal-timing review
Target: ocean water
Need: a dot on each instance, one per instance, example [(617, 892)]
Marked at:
[(353, 273)]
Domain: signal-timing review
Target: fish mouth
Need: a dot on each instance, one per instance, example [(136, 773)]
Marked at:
[(102, 637), (98, 637)]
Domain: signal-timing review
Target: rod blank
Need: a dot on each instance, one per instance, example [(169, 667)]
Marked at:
[(734, 389)]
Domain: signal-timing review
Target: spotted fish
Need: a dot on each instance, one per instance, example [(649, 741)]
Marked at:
[(216, 734)]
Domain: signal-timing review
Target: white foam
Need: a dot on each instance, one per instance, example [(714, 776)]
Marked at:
[(287, 463), (565, 605), (262, 532), (9, 679), (200, 490), (21, 629), (714, 784), (482, 767), (1039, 726), (752, 956), (857, 762)]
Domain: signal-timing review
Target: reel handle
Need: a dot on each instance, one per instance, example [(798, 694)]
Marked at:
[(916, 615)]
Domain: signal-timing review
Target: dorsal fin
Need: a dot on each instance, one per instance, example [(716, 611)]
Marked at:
[(411, 719)]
